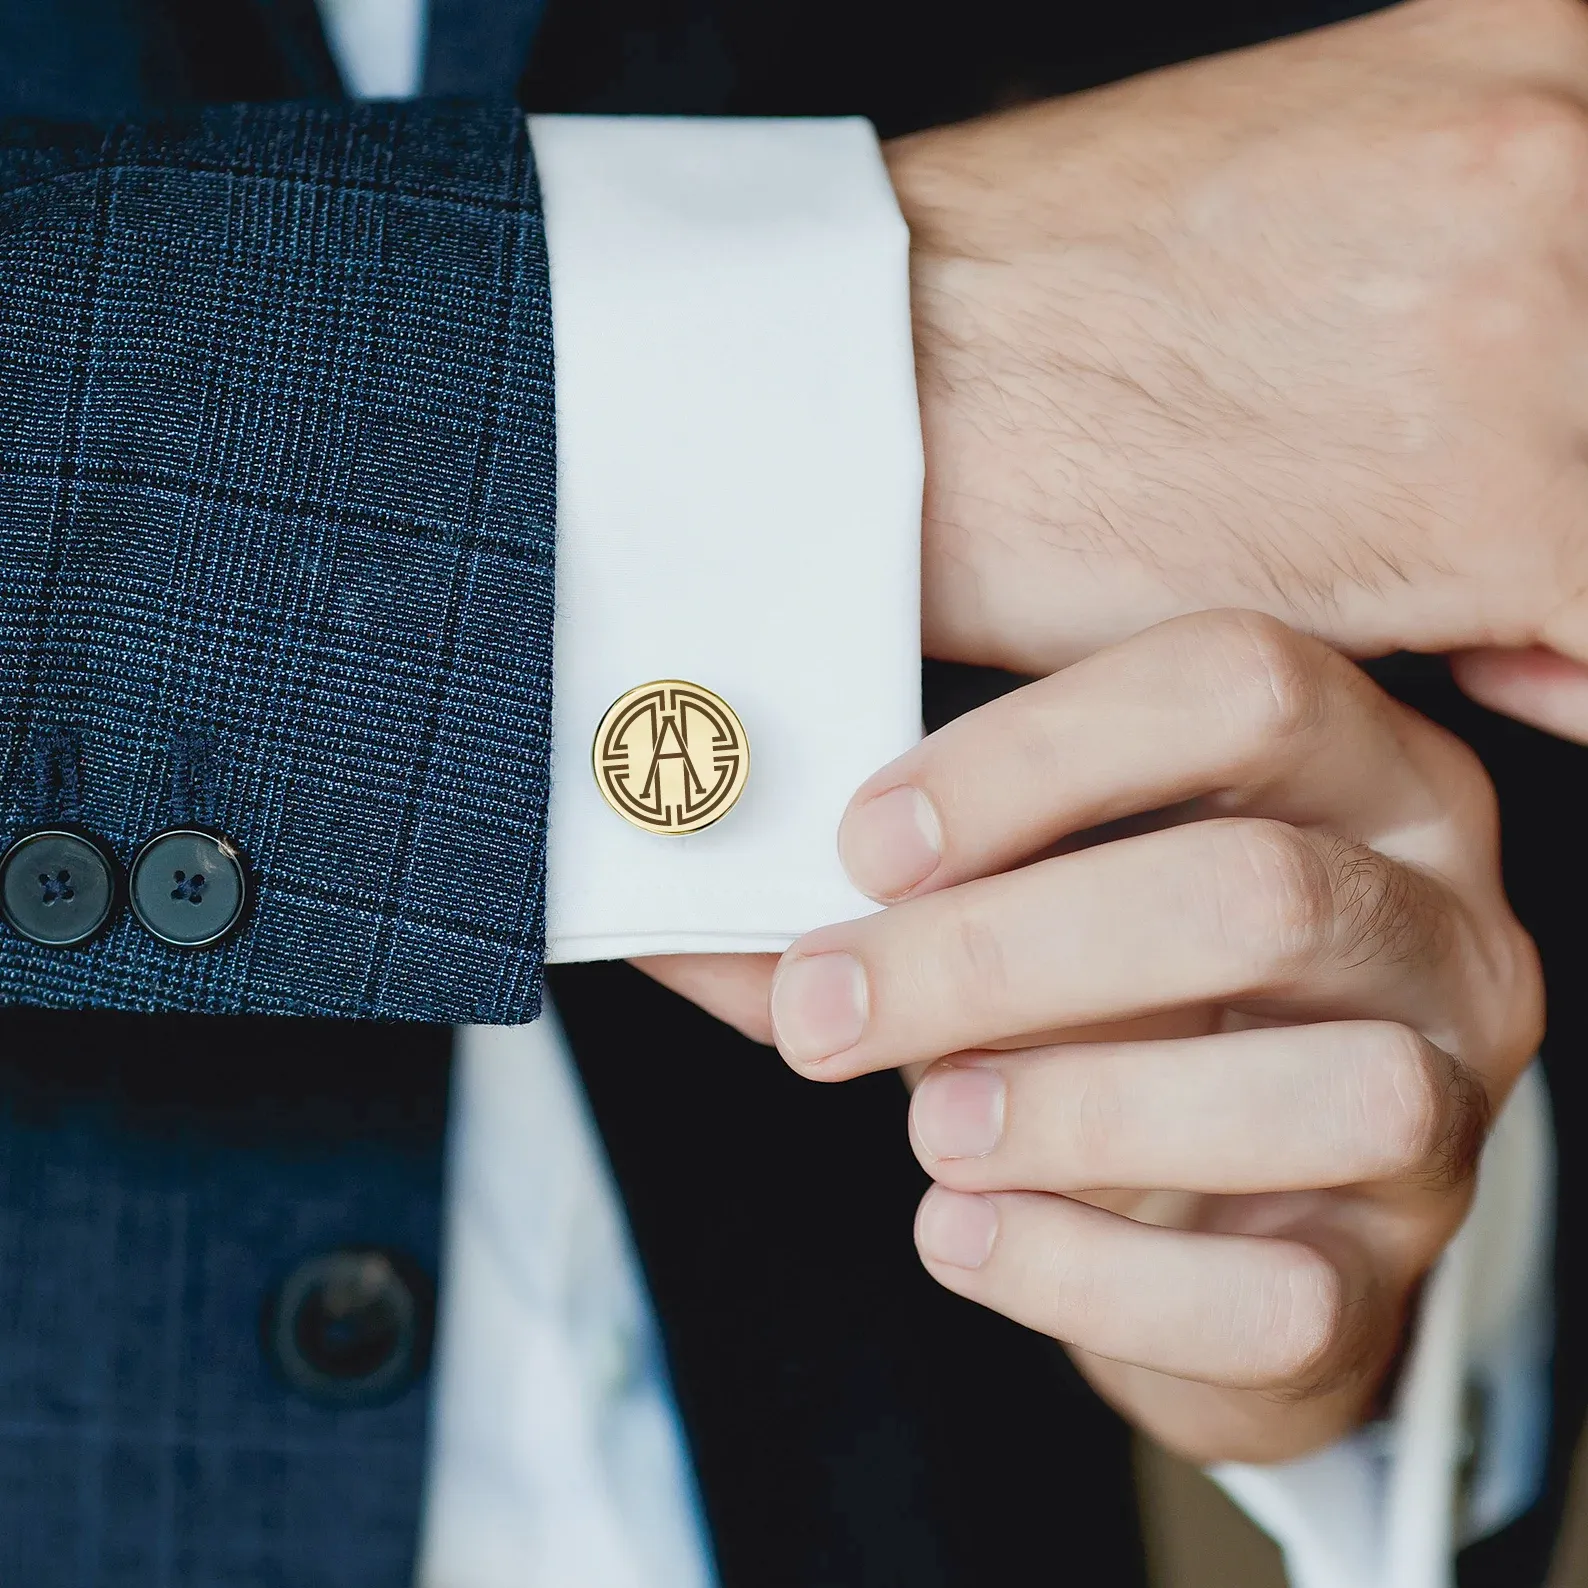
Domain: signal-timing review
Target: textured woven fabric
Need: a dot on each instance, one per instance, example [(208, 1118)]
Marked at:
[(159, 1179), (277, 479)]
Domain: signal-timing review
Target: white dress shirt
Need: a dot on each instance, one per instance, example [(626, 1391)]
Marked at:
[(738, 437)]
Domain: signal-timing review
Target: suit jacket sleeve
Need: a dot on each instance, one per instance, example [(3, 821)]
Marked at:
[(276, 544)]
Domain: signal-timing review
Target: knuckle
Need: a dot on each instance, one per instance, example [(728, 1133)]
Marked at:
[(1508, 997), (1286, 900), (1303, 1319), (1274, 901), (1520, 978), (1468, 1114), (1467, 788), (1324, 1337), (1384, 911), (1430, 1112), (1267, 675), (1405, 1083)]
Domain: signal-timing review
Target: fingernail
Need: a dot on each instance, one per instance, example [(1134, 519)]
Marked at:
[(818, 1006), (891, 843), (956, 1228), (959, 1113)]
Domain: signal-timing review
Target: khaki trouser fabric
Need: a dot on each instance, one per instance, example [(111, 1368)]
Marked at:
[(1196, 1538)]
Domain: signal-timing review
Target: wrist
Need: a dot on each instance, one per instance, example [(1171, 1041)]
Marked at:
[(1022, 563)]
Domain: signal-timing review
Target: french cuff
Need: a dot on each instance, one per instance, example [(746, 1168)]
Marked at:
[(739, 501), (1464, 1452)]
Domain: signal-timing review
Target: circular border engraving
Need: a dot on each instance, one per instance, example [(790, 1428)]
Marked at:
[(671, 757)]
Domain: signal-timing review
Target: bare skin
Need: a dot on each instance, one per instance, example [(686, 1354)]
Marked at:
[(1284, 1006)]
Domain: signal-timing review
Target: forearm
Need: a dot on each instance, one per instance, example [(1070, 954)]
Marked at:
[(1282, 329)]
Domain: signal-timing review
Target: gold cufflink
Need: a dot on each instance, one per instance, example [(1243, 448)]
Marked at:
[(671, 757)]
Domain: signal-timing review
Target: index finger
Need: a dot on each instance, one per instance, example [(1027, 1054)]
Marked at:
[(1231, 704)]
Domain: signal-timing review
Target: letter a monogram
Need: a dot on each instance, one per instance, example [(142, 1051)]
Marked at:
[(671, 757)]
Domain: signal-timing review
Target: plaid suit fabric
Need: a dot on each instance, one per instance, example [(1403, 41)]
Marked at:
[(277, 477), (159, 1179)]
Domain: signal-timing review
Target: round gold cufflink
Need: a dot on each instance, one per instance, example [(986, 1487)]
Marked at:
[(671, 757)]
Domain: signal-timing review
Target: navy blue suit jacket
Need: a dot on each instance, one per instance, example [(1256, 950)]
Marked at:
[(277, 478)]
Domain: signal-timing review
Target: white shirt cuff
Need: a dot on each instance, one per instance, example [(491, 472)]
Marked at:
[(739, 497), (1464, 1452)]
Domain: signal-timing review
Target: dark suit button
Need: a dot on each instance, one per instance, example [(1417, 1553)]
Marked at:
[(351, 1327), (58, 886), (189, 887)]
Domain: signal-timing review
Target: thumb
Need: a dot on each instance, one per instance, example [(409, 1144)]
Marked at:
[(1535, 686)]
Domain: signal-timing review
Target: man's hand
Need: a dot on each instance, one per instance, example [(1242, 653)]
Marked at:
[(1273, 1006), (1302, 328)]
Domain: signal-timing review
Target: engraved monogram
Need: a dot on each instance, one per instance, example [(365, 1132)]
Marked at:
[(671, 757)]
